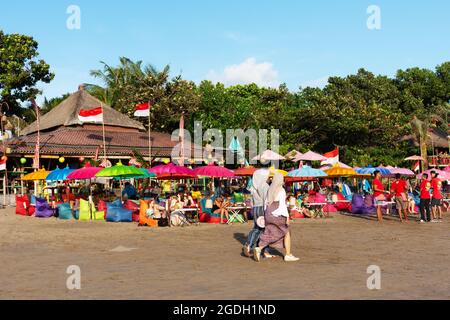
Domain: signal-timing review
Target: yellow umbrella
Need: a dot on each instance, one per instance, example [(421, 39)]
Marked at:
[(37, 175), (272, 172), (338, 171)]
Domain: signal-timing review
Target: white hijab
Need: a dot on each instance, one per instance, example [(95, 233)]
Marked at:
[(275, 187), (259, 185)]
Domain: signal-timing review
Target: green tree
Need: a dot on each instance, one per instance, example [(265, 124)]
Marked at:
[(20, 70)]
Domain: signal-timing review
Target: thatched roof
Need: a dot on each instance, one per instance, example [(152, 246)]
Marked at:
[(438, 137), (66, 114)]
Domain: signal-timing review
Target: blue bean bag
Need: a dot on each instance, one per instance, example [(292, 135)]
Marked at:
[(116, 213), (65, 212), (43, 209)]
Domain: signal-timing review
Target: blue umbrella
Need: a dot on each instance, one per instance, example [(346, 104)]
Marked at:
[(235, 146), (307, 171), (371, 170), (59, 174)]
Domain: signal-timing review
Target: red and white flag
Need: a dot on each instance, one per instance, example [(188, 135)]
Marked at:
[(2, 165), (91, 115), (333, 157), (142, 110), (416, 166)]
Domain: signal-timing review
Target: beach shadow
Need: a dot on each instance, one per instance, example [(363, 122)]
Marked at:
[(242, 239)]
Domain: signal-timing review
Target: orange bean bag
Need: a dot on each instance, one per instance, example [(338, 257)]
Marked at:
[(144, 220)]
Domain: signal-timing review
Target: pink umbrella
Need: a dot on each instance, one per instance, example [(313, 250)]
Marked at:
[(401, 171), (88, 172), (414, 158), (447, 169), (443, 175), (214, 171), (171, 169), (268, 155), (310, 156)]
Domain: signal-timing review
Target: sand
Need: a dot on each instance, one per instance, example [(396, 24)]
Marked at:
[(123, 261)]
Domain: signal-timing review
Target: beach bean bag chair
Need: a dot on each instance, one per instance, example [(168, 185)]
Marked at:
[(295, 214), (43, 209), (357, 204), (320, 198), (369, 205), (103, 207), (330, 208), (33, 200), (118, 214), (23, 205), (178, 219), (85, 211), (134, 208), (342, 206), (144, 219), (65, 211), (203, 217)]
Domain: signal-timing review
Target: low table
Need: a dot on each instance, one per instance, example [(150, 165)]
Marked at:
[(235, 214), (316, 208), (193, 211)]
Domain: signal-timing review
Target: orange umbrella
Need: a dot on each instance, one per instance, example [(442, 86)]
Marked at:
[(245, 172)]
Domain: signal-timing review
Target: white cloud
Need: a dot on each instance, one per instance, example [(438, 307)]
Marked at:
[(316, 83), (249, 71)]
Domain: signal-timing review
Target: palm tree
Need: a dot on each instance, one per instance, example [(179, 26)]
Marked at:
[(420, 132)]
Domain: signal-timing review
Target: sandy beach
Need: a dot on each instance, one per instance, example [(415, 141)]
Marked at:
[(123, 261)]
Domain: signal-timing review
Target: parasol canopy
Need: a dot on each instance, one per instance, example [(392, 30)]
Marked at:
[(310, 156), (272, 172), (59, 174), (119, 170), (371, 170), (268, 155), (293, 154), (37, 175), (329, 166), (87, 172), (338, 171), (213, 171), (171, 169), (443, 175), (144, 175), (401, 171), (245, 171), (447, 169), (307, 171), (415, 158)]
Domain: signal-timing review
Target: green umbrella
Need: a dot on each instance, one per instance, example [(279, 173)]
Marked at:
[(144, 174), (121, 172)]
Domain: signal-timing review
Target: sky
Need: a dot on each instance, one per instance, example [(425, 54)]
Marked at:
[(269, 42)]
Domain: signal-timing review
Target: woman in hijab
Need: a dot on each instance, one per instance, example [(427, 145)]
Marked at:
[(259, 191), (276, 233)]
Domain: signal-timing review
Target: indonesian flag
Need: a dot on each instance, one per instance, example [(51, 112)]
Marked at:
[(91, 115), (416, 166), (333, 157), (142, 110), (2, 165)]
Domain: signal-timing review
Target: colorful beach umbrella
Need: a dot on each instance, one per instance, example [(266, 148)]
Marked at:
[(119, 171), (338, 171), (272, 172), (310, 156), (85, 173), (443, 175), (213, 171), (415, 158), (307, 171), (59, 174), (37, 175), (269, 155), (245, 171), (402, 171), (371, 170)]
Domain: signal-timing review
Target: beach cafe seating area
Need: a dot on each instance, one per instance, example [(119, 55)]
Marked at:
[(180, 196)]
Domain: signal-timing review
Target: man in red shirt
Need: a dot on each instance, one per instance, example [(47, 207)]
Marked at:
[(378, 193), (425, 186), (398, 188), (436, 201)]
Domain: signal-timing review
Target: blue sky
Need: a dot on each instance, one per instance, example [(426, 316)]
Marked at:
[(267, 41)]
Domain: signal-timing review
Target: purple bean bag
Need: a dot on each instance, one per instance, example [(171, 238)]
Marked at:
[(43, 209)]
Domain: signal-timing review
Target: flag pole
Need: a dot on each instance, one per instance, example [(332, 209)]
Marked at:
[(149, 137), (103, 129)]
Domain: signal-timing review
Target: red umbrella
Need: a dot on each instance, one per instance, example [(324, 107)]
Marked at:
[(214, 171), (245, 172)]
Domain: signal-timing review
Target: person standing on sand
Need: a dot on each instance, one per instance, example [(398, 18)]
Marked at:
[(378, 193), (276, 232), (398, 188), (436, 201), (259, 191), (425, 187)]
